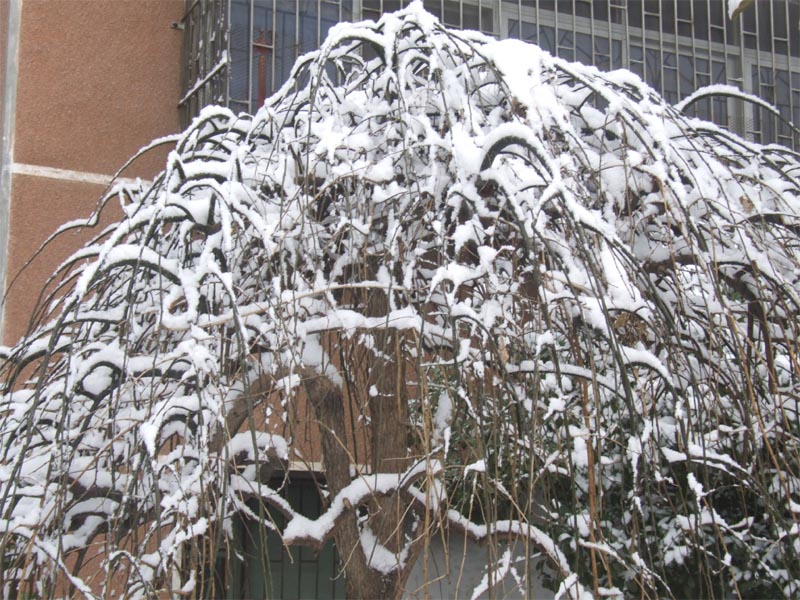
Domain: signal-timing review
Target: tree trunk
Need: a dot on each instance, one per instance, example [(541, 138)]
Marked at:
[(360, 580), (388, 393), (382, 385)]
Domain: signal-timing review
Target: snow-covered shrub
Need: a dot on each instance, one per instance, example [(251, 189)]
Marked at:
[(563, 314)]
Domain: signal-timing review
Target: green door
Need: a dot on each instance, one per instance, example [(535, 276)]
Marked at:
[(264, 568)]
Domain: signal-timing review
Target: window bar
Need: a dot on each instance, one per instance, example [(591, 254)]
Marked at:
[(574, 31), (740, 77), (750, 85), (227, 39), (608, 32), (192, 66), (780, 39), (694, 51), (197, 32), (519, 21), (711, 8), (557, 34), (789, 71), (222, 46), (594, 27), (621, 14), (792, 72), (273, 82), (296, 52), (195, 66), (205, 55), (791, 35), (217, 44), (757, 84), (249, 41), (708, 57), (628, 32), (210, 54), (205, 58), (776, 124), (203, 67), (779, 127), (261, 48), (186, 62), (539, 28), (205, 27), (676, 50), (660, 45)]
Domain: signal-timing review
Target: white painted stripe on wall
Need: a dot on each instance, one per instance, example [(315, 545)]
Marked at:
[(67, 174)]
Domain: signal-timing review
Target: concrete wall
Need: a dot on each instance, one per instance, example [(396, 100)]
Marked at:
[(97, 80), (4, 6), (457, 570)]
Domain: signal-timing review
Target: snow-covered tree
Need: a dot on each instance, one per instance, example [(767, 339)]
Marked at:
[(518, 298)]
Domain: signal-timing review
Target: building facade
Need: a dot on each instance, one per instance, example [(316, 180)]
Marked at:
[(239, 51)]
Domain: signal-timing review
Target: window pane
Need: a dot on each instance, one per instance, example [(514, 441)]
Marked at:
[(700, 19), (686, 74), (240, 50), (308, 25), (565, 45), (547, 39), (583, 46), (285, 41)]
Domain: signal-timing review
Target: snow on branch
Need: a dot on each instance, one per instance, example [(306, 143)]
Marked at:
[(570, 282)]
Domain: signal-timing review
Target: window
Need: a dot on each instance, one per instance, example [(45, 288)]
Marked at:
[(267, 36), (238, 52), (678, 47), (204, 73), (781, 88)]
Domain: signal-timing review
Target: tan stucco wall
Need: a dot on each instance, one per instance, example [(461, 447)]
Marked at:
[(98, 79), (40, 205)]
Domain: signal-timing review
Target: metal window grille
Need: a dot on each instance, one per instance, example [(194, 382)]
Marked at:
[(237, 52), (206, 64)]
